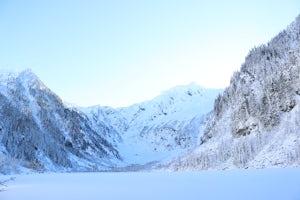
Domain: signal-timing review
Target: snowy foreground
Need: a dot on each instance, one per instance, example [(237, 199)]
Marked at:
[(232, 184)]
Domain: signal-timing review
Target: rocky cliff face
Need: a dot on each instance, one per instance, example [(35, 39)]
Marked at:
[(256, 121)]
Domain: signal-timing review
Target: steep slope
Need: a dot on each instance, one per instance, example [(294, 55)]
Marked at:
[(165, 126), (256, 121), (37, 129)]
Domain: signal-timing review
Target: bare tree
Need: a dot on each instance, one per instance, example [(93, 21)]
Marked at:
[(3, 183)]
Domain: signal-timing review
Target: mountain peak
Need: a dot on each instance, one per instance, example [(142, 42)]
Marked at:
[(29, 78), (27, 74)]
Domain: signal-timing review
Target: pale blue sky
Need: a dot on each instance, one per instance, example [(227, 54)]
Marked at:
[(121, 52)]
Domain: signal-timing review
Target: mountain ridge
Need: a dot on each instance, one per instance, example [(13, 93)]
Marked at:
[(40, 132), (254, 123), (161, 127)]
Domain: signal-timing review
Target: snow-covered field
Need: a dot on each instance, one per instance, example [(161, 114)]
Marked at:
[(283, 184)]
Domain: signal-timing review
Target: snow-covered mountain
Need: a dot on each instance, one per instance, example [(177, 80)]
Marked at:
[(161, 128), (39, 132), (256, 121)]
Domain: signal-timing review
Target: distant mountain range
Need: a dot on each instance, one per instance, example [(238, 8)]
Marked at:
[(254, 123), (158, 129)]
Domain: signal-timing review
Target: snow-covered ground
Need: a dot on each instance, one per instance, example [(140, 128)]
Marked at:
[(232, 184)]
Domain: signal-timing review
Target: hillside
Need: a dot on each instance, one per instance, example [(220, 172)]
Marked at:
[(256, 121)]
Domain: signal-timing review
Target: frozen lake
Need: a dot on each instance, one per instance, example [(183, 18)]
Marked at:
[(283, 184)]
